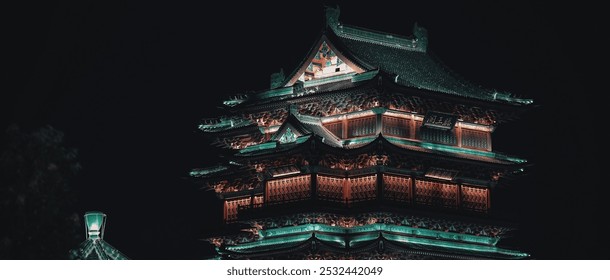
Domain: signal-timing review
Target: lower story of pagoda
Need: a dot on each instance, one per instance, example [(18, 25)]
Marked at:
[(369, 235)]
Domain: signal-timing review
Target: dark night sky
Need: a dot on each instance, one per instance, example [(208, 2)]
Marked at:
[(128, 83)]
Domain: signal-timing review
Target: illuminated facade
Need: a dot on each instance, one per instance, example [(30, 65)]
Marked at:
[(370, 149)]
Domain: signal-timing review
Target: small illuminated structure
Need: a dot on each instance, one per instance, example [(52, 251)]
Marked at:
[(95, 223), (369, 149), (94, 247)]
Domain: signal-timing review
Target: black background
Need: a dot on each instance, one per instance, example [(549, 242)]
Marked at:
[(128, 83)]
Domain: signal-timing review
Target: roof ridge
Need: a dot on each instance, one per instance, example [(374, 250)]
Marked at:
[(378, 38), (418, 42)]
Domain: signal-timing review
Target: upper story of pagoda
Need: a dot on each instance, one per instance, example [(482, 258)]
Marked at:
[(357, 83)]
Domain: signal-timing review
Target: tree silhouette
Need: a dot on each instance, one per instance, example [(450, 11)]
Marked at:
[(36, 198)]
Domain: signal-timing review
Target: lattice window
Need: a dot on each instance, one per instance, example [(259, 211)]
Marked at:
[(361, 126), (476, 199), (257, 201), (336, 128), (436, 194), (232, 206), (418, 127), (437, 136), (396, 126), (330, 188), (363, 188), (289, 189), (475, 139), (396, 188)]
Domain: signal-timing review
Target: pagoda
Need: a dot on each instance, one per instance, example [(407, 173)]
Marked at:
[(370, 149)]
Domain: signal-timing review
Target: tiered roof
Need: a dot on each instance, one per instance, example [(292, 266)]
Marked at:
[(388, 235), (406, 59), (385, 71), (408, 111)]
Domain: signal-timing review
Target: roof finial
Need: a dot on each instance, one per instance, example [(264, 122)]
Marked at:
[(332, 16), (421, 36), (277, 79)]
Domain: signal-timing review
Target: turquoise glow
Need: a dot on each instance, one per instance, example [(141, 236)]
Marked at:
[(363, 238), (509, 98), (206, 171), (365, 76), (288, 136), (454, 245), (225, 124), (286, 240), (270, 145), (425, 145), (321, 81), (436, 147), (339, 240), (232, 103), (263, 146), (454, 236), (95, 223), (308, 228), (363, 140), (404, 234), (359, 34), (451, 149), (276, 92)]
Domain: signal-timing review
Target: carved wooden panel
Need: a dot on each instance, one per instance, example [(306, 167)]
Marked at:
[(475, 139), (341, 103), (361, 126), (330, 188), (268, 118), (436, 193), (475, 198), (232, 206), (348, 162), (258, 200), (362, 188), (336, 128), (397, 188), (289, 189), (447, 137), (235, 185), (405, 103), (395, 126)]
